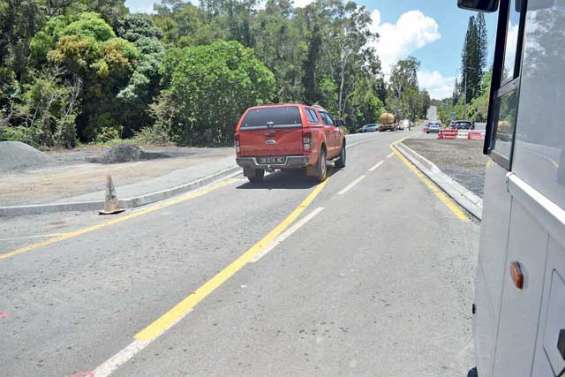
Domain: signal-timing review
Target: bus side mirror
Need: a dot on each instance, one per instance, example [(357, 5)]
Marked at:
[(479, 5)]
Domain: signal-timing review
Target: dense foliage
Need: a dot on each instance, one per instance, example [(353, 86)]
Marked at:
[(89, 71), (471, 91)]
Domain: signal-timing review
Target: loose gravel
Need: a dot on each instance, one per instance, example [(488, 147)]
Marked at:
[(462, 160), (16, 155)]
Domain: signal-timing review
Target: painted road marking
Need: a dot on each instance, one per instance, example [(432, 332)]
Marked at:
[(181, 310), (119, 359), (167, 320), (164, 204), (299, 224), (390, 155), (82, 373), (376, 165), (351, 185), (442, 196), (32, 236)]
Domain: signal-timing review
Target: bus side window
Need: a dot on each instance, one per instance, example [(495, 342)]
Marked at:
[(507, 84)]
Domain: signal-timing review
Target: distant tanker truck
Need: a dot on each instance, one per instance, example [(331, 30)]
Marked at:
[(387, 122)]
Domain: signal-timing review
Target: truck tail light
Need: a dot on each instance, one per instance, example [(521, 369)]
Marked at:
[(307, 140), (236, 144)]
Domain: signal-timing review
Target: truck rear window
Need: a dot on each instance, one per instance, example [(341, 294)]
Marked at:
[(274, 116)]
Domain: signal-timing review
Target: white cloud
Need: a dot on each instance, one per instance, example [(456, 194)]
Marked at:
[(412, 30), (436, 84)]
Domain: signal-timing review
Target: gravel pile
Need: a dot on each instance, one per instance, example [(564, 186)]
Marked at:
[(126, 153), (15, 155)]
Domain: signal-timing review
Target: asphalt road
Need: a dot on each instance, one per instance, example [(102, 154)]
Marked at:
[(368, 274)]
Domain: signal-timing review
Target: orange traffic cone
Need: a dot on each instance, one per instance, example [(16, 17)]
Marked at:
[(111, 204)]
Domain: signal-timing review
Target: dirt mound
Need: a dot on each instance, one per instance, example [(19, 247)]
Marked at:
[(16, 155), (126, 153)]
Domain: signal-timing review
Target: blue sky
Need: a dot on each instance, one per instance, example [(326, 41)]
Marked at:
[(431, 30)]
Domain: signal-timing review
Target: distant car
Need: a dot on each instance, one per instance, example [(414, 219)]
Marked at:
[(462, 125), (371, 127), (433, 127)]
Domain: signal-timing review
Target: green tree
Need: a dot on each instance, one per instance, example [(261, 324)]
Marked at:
[(403, 97), (313, 57), (46, 109), (184, 24), (473, 58), (279, 44), (86, 47), (478, 108), (210, 86), (482, 35), (143, 85), (19, 21)]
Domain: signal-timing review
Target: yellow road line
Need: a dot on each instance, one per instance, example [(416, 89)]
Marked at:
[(180, 310), (121, 219), (442, 196)]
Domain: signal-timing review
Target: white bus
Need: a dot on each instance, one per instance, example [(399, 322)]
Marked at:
[(519, 310)]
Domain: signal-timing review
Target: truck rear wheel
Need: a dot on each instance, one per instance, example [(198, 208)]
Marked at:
[(321, 170), (340, 162)]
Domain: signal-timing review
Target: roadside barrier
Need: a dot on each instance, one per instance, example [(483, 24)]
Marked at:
[(476, 135), (448, 134), (463, 134)]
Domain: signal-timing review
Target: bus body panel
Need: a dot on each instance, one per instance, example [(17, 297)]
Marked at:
[(551, 316), (517, 331), (491, 265), (519, 312)]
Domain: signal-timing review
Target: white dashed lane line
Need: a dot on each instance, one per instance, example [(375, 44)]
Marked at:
[(376, 165), (351, 185)]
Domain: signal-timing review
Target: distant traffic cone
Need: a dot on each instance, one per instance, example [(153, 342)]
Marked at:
[(111, 204)]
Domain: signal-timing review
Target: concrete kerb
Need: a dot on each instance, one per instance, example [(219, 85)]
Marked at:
[(128, 203), (138, 201), (465, 198)]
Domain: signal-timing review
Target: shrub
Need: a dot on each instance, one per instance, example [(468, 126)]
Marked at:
[(156, 134)]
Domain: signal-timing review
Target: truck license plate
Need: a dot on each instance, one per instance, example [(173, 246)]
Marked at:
[(270, 160)]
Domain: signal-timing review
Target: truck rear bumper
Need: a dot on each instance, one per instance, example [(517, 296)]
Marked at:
[(290, 162)]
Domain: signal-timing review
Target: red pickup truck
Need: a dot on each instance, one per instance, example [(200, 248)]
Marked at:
[(288, 136)]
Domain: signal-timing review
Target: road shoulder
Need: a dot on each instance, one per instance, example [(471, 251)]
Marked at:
[(464, 197)]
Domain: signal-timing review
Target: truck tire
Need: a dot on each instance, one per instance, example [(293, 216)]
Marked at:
[(321, 170), (255, 175), (340, 162)]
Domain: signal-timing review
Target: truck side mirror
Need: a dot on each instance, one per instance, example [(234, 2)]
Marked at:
[(479, 5)]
